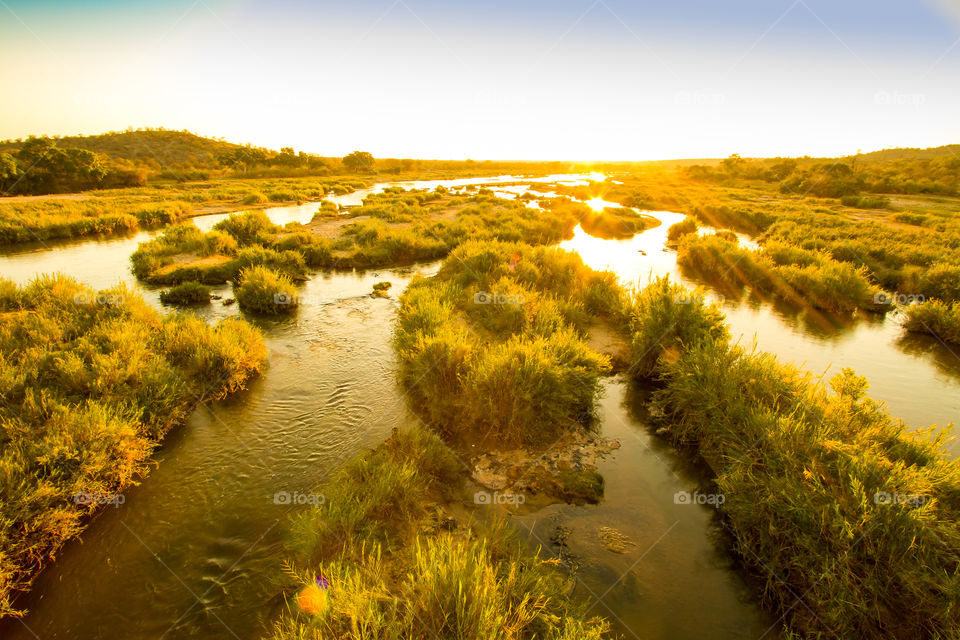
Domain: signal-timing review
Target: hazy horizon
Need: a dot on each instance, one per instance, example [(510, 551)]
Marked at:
[(599, 80)]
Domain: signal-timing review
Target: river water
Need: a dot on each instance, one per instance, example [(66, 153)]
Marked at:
[(195, 549)]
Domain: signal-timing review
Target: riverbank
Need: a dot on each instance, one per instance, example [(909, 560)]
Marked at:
[(94, 380)]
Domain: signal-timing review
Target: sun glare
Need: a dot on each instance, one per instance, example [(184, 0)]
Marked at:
[(597, 204)]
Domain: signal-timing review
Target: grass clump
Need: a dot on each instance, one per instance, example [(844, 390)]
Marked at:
[(865, 202), (665, 318), (380, 289), (802, 276), (615, 222), (382, 541), (92, 381), (851, 521), (186, 293), (935, 318), (254, 197), (493, 346), (679, 229), (263, 290)]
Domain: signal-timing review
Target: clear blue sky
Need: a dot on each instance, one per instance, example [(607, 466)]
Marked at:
[(564, 79)]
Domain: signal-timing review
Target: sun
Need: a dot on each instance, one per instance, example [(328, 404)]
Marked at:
[(597, 204)]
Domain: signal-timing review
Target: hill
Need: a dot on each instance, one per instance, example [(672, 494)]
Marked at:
[(153, 149), (910, 153)]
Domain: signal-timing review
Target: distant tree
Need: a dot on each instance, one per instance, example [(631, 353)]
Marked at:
[(359, 161), (783, 169), (9, 172), (733, 164), (286, 158), (45, 168)]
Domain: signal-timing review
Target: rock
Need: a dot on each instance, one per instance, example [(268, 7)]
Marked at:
[(613, 540), (228, 302)]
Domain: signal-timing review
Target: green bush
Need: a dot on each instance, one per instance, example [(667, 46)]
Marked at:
[(186, 293), (677, 230), (254, 197), (265, 291), (935, 318), (665, 318), (393, 576), (91, 382)]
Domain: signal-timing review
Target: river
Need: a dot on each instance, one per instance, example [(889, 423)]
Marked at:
[(195, 549)]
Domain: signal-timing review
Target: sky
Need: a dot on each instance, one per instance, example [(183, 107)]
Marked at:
[(492, 79)]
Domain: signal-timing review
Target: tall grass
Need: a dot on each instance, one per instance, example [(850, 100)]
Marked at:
[(665, 318), (265, 291), (36, 220), (394, 574), (679, 229), (849, 520), (798, 275), (91, 382), (393, 228), (493, 346), (935, 318)]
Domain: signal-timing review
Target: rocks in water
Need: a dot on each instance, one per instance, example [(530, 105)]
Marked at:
[(613, 540), (567, 471), (228, 302)]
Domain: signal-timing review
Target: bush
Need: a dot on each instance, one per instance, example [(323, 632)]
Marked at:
[(665, 318), (935, 318), (393, 575), (826, 495), (186, 293), (265, 291), (254, 198), (677, 230), (92, 381)]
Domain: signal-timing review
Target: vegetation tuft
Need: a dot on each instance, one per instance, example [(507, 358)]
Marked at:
[(91, 382)]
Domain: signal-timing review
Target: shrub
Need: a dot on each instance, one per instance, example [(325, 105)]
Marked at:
[(265, 291), (677, 230), (92, 380), (665, 318), (254, 197), (392, 575), (186, 293), (935, 318)]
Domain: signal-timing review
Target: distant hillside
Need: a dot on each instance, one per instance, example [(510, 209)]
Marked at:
[(153, 148), (933, 153)]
